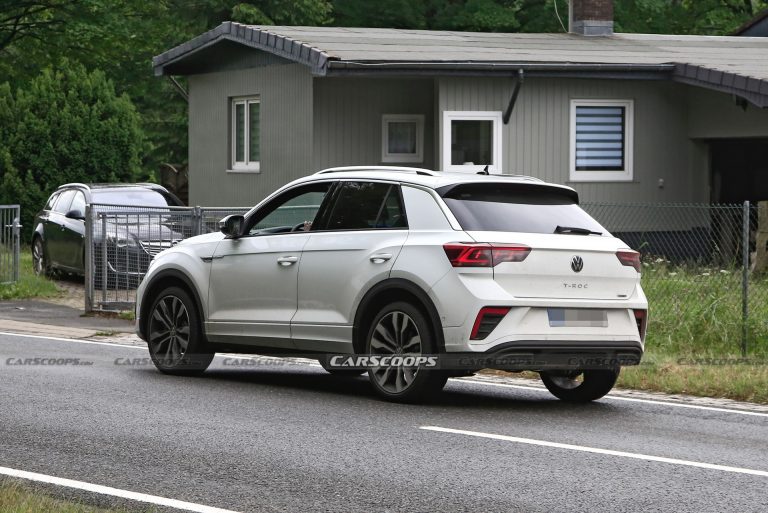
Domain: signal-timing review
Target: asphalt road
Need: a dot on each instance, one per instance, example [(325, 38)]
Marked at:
[(293, 438)]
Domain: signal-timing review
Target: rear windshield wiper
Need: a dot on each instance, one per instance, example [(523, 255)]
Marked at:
[(575, 230)]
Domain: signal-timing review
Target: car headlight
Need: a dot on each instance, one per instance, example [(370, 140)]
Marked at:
[(123, 242)]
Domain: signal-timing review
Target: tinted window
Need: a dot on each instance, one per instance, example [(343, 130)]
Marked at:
[(293, 207), (78, 202), (65, 199), (129, 197), (516, 208), (365, 206)]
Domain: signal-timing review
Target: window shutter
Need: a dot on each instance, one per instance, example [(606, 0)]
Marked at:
[(600, 138)]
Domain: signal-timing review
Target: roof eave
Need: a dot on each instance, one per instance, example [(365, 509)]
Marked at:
[(476, 68), (259, 39)]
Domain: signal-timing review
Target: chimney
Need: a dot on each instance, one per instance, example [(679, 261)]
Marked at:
[(590, 17)]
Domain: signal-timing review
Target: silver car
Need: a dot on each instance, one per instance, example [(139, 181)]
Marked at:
[(410, 275)]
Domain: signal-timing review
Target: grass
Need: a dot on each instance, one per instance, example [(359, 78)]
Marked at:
[(127, 315), (29, 285), (19, 498), (695, 333)]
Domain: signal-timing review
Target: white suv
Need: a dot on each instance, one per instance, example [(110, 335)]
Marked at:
[(467, 271)]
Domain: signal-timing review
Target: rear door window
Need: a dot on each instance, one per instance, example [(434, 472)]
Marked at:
[(510, 207), (367, 206)]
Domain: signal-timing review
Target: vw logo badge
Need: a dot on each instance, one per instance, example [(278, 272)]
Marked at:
[(577, 264)]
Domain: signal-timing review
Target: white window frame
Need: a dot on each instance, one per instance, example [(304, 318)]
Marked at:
[(246, 166), (472, 115), (388, 157), (625, 175)]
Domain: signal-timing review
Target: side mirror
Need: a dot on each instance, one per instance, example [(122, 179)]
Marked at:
[(76, 213), (232, 226)]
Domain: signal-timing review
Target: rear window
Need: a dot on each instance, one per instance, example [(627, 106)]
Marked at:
[(130, 197), (522, 208)]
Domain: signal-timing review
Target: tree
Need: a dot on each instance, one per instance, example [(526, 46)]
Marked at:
[(29, 18), (67, 125)]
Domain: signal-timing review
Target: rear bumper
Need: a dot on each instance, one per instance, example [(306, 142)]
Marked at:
[(547, 355)]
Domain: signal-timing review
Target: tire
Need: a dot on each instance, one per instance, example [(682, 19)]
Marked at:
[(594, 385), (173, 318), (39, 262), (401, 329)]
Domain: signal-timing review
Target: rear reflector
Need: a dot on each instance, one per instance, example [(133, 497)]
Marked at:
[(487, 319), (629, 258), (641, 316), (484, 254)]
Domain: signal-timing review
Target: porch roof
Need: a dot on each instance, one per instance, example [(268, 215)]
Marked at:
[(736, 65)]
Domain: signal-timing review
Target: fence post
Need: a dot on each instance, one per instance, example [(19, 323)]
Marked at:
[(103, 258), (197, 214), (744, 278), (88, 259), (16, 242)]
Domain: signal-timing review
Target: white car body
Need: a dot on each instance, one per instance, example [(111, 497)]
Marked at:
[(303, 290)]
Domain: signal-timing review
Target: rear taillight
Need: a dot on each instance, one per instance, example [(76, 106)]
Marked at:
[(484, 254), (486, 321), (641, 317), (629, 258)]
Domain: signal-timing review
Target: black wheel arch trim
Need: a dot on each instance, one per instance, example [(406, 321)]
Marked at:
[(188, 283), (394, 284)]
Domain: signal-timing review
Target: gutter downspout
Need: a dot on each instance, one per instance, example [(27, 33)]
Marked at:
[(513, 99)]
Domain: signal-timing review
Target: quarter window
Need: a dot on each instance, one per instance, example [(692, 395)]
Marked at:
[(472, 141), (245, 133), (601, 140), (367, 206), (402, 138)]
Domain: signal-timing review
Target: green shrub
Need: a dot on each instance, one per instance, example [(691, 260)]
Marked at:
[(66, 125)]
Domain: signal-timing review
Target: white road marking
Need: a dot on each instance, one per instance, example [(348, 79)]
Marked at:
[(453, 380), (620, 398), (114, 492), (595, 450)]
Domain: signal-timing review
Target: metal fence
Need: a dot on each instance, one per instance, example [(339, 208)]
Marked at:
[(696, 273), (9, 243), (121, 242), (704, 289)]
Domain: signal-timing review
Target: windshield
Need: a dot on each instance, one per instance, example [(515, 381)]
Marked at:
[(130, 197), (526, 208)]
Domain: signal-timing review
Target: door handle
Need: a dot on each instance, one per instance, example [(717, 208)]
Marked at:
[(287, 260), (380, 258)]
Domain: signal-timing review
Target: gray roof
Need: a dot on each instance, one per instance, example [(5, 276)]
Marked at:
[(737, 65)]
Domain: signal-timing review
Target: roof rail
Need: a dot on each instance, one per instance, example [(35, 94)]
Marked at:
[(394, 169), (526, 177), (73, 184)]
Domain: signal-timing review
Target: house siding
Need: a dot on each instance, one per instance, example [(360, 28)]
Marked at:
[(285, 91), (536, 140), (348, 114), (715, 115)]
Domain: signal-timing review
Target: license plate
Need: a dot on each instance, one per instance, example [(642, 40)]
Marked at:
[(577, 318)]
